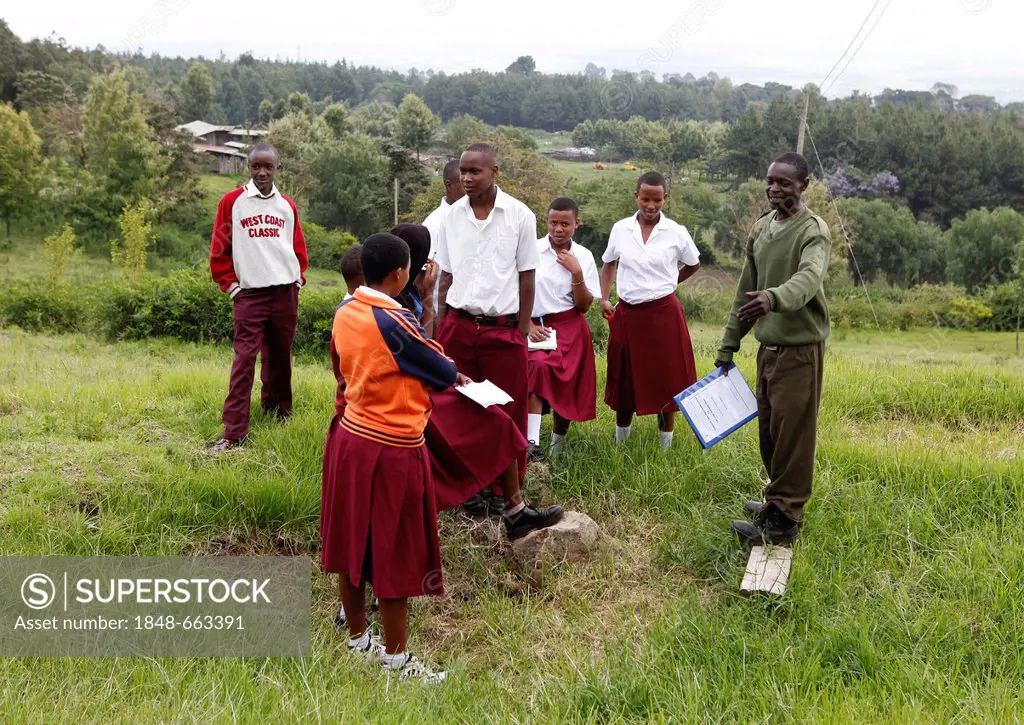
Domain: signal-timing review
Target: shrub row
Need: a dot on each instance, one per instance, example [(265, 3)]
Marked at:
[(186, 305)]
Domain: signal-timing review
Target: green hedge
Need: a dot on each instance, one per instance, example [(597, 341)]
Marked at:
[(186, 305)]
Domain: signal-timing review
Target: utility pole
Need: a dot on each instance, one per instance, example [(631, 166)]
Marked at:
[(803, 124), (396, 201)]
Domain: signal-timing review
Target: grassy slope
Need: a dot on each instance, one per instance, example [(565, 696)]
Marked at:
[(904, 602)]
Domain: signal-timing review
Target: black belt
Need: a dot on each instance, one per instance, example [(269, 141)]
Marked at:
[(499, 321)]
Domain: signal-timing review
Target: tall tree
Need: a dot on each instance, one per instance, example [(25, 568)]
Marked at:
[(351, 176), (121, 149), (375, 119), (984, 247), (462, 131), (416, 126), (524, 64), (19, 164), (196, 94)]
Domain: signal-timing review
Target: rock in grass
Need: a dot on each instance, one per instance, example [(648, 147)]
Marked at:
[(575, 538)]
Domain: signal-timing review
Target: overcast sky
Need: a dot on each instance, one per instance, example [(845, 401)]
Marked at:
[(974, 44)]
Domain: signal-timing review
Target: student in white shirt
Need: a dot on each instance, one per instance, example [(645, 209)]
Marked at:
[(564, 379), (650, 357), (452, 193), (487, 251)]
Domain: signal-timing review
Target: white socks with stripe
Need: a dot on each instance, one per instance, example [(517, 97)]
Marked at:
[(622, 434), (533, 428), (396, 661), (360, 644), (666, 439)]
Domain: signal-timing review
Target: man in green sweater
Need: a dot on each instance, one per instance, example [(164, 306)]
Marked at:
[(780, 295)]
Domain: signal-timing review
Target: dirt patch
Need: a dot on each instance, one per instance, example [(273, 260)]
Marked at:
[(257, 543), (572, 613)]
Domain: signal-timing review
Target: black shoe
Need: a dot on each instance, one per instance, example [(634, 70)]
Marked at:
[(770, 526), (535, 454), (476, 505), (753, 508), (531, 519)]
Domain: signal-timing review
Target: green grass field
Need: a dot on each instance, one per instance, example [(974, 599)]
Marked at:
[(585, 171), (904, 603)]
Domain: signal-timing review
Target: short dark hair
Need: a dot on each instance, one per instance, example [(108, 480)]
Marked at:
[(652, 178), (483, 148), (382, 254), (351, 264), (451, 171), (564, 203), (797, 161), (261, 147)]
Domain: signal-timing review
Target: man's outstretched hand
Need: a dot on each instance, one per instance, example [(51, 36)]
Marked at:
[(760, 305)]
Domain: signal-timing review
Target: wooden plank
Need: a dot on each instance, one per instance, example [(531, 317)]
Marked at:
[(767, 571)]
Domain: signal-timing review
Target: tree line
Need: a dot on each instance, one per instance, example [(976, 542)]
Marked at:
[(87, 137)]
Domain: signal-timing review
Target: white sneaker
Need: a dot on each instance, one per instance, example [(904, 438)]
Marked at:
[(373, 650), (413, 669)]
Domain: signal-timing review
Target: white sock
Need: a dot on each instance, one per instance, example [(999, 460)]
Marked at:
[(514, 510), (556, 444), (622, 434), (360, 643), (533, 428), (396, 661), (666, 439)]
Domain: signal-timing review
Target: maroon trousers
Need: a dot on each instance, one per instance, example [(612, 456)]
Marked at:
[(498, 354), (265, 320)]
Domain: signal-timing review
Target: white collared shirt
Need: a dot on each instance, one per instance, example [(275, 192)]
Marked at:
[(554, 282), (433, 224), (370, 292), (485, 256), (649, 271), (251, 190)]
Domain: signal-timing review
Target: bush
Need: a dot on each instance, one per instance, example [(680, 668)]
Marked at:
[(316, 318), (173, 242), (136, 229), (185, 305), (326, 247), (1006, 301), (60, 251), (965, 313), (35, 306)]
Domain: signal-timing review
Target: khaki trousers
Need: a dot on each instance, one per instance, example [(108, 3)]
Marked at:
[(788, 395)]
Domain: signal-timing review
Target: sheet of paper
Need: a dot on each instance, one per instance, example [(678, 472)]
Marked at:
[(485, 394), (717, 405), (550, 344)]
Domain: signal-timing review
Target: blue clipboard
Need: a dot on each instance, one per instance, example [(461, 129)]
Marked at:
[(714, 375)]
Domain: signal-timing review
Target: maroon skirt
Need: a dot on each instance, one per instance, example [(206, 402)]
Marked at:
[(378, 516), (469, 446), (650, 357), (565, 377)]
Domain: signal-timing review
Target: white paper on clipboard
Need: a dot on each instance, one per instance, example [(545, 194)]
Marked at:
[(717, 405)]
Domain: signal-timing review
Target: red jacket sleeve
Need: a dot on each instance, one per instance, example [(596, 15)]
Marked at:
[(222, 266), (299, 244)]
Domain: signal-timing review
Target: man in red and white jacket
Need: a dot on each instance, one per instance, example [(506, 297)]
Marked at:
[(258, 256)]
